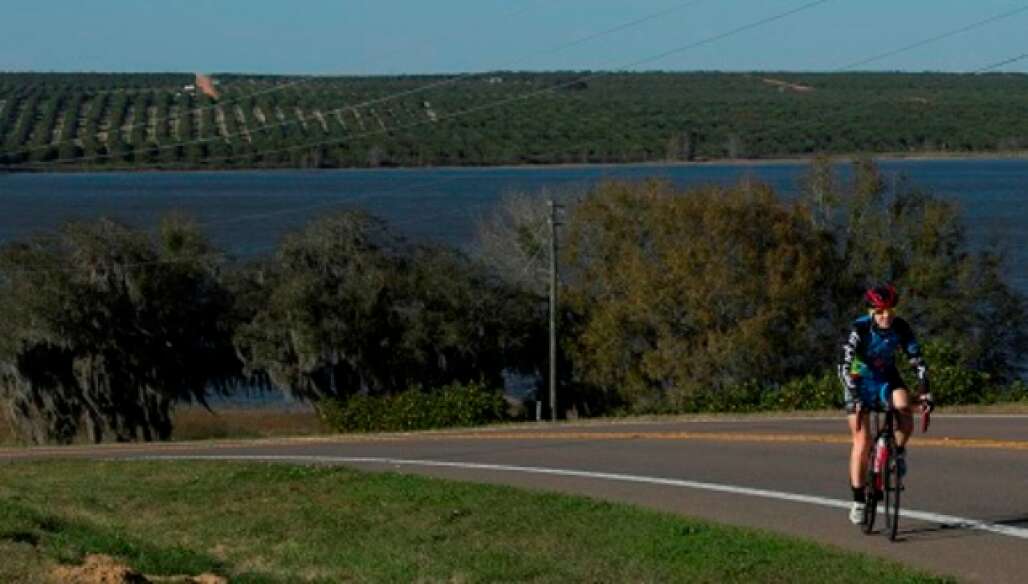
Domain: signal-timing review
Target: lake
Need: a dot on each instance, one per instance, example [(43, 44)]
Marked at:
[(246, 212)]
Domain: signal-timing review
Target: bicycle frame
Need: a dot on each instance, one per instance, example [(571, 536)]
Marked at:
[(882, 430), (881, 463)]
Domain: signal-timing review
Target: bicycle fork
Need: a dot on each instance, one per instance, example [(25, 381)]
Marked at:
[(879, 462)]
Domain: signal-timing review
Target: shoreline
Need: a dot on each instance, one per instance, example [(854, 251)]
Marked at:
[(774, 161)]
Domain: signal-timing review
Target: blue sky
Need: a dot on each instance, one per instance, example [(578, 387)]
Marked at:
[(415, 36)]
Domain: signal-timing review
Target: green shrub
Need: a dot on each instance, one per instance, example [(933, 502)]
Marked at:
[(952, 382), (953, 385), (810, 392), (744, 397), (1015, 392), (456, 405)]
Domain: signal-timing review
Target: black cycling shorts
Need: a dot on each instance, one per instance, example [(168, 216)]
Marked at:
[(869, 389)]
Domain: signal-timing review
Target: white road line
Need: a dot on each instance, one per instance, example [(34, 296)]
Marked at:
[(950, 520), (984, 416)]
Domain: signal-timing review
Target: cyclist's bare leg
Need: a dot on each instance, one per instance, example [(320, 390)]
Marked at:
[(861, 447), (905, 419)]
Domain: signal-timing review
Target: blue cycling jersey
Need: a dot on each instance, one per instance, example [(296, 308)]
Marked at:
[(869, 357)]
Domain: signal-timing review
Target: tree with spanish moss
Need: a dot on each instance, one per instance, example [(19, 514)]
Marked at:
[(346, 308), (107, 330)]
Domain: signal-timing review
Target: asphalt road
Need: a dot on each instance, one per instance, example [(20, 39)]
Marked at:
[(967, 487)]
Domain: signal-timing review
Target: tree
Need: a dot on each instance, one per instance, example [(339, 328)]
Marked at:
[(514, 239), (675, 294), (345, 309), (320, 305), (107, 330), (955, 294)]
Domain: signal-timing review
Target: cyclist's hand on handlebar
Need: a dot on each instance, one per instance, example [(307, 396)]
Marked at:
[(927, 405), (926, 410)]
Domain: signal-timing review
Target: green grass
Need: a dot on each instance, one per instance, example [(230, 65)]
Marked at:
[(280, 523)]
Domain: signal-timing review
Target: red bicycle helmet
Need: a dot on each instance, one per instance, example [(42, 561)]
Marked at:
[(882, 296)]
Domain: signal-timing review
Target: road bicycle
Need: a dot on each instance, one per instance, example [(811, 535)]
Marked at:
[(884, 482)]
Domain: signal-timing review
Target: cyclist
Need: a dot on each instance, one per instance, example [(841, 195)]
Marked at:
[(868, 365)]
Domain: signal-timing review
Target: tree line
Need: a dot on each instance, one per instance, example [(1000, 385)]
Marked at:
[(108, 328), (129, 121), (731, 298), (715, 298)]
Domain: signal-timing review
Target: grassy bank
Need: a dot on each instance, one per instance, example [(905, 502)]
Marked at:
[(277, 523), (197, 423)]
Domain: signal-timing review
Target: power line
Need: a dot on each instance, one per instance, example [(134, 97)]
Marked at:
[(935, 38), (487, 106), (329, 204), (133, 265), (355, 199), (597, 75), (306, 208), (224, 256), (374, 101), (530, 94), (215, 138), (535, 256), (188, 112), (521, 97), (630, 24), (1000, 64), (199, 111)]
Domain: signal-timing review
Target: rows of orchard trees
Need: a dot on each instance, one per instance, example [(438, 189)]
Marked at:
[(52, 121), (711, 299)]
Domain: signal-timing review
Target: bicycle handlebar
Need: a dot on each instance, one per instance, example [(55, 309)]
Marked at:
[(926, 411)]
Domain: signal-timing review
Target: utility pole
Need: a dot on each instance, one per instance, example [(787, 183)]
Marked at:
[(553, 309)]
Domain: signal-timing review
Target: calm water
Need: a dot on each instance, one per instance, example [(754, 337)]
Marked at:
[(247, 212)]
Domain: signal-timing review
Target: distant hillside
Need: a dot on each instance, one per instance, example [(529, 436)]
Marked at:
[(116, 121)]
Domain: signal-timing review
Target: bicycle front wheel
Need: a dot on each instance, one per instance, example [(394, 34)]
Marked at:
[(870, 502), (893, 486)]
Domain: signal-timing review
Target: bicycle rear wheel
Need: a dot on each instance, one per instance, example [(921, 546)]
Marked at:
[(893, 487)]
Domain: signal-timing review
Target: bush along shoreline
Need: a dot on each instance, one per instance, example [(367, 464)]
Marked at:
[(456, 405), (706, 300)]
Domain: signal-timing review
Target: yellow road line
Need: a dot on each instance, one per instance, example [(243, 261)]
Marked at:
[(752, 437), (943, 442)]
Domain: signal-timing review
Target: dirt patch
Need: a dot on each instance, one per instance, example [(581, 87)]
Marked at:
[(195, 423), (101, 569), (201, 579), (98, 569)]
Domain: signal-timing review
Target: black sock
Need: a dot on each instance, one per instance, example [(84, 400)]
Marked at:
[(858, 495)]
